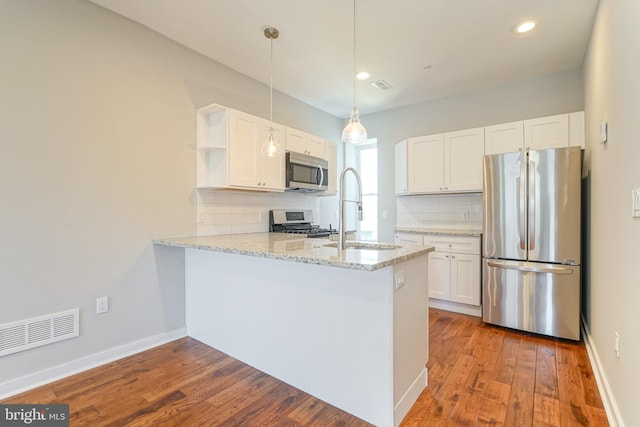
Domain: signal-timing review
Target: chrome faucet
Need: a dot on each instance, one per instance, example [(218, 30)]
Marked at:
[(342, 238)]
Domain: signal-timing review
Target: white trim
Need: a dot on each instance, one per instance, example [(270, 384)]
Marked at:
[(410, 397), (37, 379), (456, 307), (608, 401)]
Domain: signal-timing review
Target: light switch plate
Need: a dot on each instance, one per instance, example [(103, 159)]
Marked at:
[(635, 203)]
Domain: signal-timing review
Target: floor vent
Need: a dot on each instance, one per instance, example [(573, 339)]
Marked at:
[(38, 331)]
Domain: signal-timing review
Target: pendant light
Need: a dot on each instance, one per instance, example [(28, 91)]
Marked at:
[(271, 147), (354, 132)]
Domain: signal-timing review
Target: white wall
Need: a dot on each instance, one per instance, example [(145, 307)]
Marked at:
[(612, 88), (97, 129), (560, 93)]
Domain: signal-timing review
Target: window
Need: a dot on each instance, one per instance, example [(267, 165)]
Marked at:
[(367, 166)]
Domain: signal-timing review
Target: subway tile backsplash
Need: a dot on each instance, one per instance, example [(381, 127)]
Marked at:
[(226, 212), (452, 211)]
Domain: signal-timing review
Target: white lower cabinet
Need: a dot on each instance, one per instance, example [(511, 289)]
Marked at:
[(454, 271)]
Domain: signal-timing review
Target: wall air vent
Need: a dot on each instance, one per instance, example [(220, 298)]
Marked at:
[(38, 331), (382, 85)]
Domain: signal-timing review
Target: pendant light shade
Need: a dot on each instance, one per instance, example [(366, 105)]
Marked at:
[(271, 147), (354, 132)]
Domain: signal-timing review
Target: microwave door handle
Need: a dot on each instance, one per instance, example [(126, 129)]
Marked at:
[(321, 176)]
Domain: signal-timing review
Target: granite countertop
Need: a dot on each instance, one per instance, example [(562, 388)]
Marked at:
[(301, 249), (440, 232)]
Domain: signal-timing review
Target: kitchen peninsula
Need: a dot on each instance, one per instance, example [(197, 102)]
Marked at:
[(349, 327)]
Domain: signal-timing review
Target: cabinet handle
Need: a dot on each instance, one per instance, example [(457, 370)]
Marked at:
[(446, 256), (520, 149), (453, 257)]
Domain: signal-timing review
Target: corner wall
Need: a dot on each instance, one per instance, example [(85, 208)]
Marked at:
[(97, 129), (611, 87), (544, 96)]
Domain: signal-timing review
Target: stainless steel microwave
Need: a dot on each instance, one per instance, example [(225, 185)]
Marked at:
[(305, 173)]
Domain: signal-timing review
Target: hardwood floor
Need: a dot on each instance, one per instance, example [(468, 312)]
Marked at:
[(478, 375)]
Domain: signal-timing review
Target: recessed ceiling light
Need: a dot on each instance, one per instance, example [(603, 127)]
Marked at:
[(363, 75), (525, 26)]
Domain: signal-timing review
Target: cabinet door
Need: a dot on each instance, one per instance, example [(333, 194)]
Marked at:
[(463, 160), (504, 138), (439, 275), (546, 132), (576, 129), (244, 142), (316, 146), (330, 156), (271, 168), (296, 141), (425, 171), (400, 150), (465, 278)]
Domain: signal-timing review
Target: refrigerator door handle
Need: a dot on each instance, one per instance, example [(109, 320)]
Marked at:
[(540, 269), (532, 205), (522, 200)]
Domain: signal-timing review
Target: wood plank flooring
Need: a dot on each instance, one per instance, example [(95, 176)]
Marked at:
[(478, 375)]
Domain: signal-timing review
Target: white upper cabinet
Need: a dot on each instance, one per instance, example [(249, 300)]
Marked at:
[(272, 169), (331, 156), (425, 161), (447, 162), (504, 138), (229, 155), (400, 150), (304, 143), (463, 160), (576, 129), (546, 132), (562, 130)]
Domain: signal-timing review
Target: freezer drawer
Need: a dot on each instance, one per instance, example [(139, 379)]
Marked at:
[(535, 297)]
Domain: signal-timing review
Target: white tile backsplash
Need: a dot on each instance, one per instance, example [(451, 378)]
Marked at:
[(225, 212), (453, 211)]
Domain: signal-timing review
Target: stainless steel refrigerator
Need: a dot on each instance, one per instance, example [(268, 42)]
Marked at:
[(531, 241)]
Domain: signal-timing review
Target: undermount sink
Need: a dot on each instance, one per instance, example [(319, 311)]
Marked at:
[(366, 246)]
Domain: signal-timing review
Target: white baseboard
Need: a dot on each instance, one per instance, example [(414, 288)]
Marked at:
[(409, 398), (471, 310), (37, 379), (608, 401)]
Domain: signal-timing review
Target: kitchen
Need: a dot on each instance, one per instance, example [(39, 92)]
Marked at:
[(100, 133)]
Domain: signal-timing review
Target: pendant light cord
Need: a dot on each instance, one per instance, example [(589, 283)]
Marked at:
[(354, 54), (271, 84)]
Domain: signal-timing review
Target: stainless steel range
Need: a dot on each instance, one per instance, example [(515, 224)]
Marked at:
[(296, 222)]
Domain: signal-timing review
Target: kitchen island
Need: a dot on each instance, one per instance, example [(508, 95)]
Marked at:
[(349, 327)]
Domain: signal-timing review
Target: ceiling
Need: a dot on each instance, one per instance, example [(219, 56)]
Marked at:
[(424, 49)]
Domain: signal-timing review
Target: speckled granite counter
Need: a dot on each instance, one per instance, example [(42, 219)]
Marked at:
[(440, 232), (300, 249)]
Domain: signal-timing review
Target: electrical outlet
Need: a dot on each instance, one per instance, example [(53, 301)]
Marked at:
[(616, 344), (200, 217), (400, 279), (102, 305)]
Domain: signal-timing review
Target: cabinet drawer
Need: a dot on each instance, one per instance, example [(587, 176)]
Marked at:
[(461, 245)]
